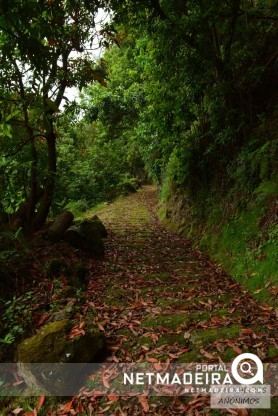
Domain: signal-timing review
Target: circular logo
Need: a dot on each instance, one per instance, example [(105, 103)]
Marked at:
[(246, 368)]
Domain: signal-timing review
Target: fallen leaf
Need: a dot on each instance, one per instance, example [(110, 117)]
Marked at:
[(216, 320), (206, 353), (113, 398), (235, 348), (157, 366), (151, 360), (40, 402), (17, 410), (247, 331), (144, 402), (67, 406), (242, 412), (105, 383)]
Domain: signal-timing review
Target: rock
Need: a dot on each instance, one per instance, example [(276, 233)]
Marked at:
[(62, 314), (99, 225), (79, 276), (94, 243), (57, 268), (74, 237), (80, 271), (60, 225), (50, 345)]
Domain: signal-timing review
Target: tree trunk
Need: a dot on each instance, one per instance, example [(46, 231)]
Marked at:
[(47, 197), (33, 198), (60, 225)]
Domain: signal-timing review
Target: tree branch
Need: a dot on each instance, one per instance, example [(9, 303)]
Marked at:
[(24, 144), (227, 50)]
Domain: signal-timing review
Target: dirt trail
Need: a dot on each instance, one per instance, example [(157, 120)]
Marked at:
[(157, 297)]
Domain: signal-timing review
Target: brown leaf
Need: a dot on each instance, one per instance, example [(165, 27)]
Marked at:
[(40, 402), (67, 406), (105, 383), (144, 402), (75, 332), (206, 353), (113, 398), (242, 412), (42, 320), (235, 348), (151, 360), (100, 327), (216, 320), (247, 331), (157, 366)]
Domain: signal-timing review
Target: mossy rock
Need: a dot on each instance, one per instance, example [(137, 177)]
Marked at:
[(96, 223), (62, 314), (51, 345), (93, 241)]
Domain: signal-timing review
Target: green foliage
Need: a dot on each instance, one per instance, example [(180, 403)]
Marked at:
[(44, 49), (93, 167), (16, 316)]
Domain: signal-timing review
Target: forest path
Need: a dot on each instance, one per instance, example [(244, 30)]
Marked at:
[(157, 297)]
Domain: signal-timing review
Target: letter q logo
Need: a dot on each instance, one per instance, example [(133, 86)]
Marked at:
[(246, 368)]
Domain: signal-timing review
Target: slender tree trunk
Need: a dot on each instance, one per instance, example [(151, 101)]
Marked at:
[(46, 200), (33, 197), (31, 201)]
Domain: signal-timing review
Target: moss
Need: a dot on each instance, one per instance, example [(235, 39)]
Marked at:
[(50, 345), (228, 355), (174, 288), (166, 302), (46, 345), (194, 301), (212, 334), (27, 403), (116, 295), (272, 352), (267, 412), (190, 357), (171, 321), (165, 277), (239, 241), (171, 339)]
